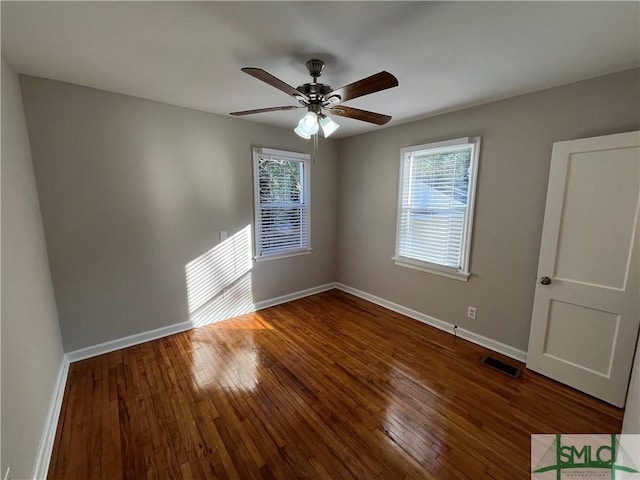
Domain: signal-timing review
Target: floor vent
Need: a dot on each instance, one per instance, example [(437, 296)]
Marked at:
[(499, 365)]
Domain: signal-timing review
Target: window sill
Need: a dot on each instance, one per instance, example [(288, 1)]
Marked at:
[(277, 256), (443, 271)]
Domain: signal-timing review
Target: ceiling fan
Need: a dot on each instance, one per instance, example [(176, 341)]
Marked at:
[(318, 97)]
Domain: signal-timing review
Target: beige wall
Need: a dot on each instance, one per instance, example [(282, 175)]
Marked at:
[(31, 345), (517, 136), (632, 411), (133, 190)]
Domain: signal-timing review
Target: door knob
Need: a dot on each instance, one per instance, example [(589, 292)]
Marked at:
[(545, 281)]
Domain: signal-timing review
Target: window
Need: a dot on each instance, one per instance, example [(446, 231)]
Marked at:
[(281, 191), (435, 206)]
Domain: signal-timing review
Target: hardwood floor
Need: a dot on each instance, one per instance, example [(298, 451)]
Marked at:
[(327, 387)]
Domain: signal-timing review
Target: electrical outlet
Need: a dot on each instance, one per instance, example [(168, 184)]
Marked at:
[(471, 312), (225, 293)]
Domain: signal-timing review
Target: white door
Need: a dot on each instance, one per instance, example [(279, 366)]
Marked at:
[(586, 309)]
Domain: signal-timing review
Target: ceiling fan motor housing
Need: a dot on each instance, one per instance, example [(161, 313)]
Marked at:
[(314, 91), (315, 67)]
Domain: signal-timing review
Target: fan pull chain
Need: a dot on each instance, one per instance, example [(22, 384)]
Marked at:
[(315, 148)]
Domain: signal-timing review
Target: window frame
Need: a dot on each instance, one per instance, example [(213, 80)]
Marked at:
[(303, 158), (463, 273)]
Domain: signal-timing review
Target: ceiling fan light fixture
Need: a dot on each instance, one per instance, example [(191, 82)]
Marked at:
[(310, 121), (301, 133), (328, 125), (308, 125)]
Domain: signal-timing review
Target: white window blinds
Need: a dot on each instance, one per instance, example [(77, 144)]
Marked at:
[(282, 203), (436, 183)]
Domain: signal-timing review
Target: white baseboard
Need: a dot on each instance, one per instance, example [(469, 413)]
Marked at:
[(494, 345), (476, 338), (143, 337), (125, 342), (43, 457), (138, 338), (294, 296)]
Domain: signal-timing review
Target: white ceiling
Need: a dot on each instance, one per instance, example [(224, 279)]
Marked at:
[(446, 55)]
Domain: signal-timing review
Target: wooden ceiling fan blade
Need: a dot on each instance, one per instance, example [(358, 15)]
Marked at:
[(266, 77), (357, 114), (269, 109), (374, 83)]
